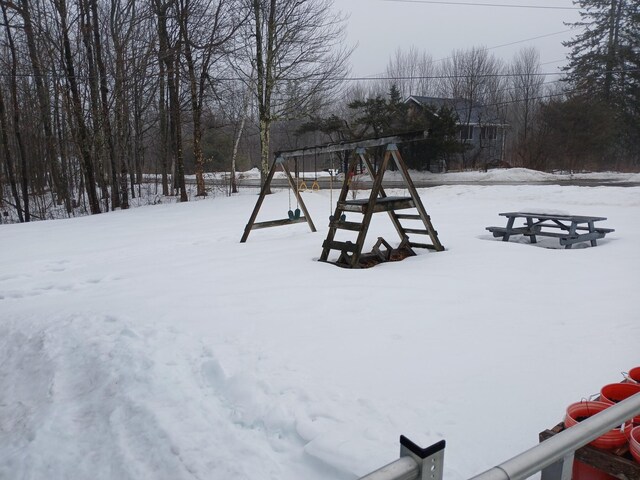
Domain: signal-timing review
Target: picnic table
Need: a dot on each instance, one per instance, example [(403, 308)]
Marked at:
[(569, 229)]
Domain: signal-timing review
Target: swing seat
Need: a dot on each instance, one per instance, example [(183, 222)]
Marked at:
[(294, 215)]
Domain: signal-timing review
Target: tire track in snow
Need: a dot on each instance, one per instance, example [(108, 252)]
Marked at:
[(90, 397)]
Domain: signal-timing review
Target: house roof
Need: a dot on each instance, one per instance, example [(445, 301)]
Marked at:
[(467, 113)]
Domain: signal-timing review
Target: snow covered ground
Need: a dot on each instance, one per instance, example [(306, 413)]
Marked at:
[(151, 344)]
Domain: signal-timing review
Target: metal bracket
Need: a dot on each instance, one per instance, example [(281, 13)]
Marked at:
[(361, 151), (561, 470), (430, 459), (392, 147)]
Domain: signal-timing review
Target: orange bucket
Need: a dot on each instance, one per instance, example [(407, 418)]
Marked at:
[(616, 392), (634, 375), (576, 412)]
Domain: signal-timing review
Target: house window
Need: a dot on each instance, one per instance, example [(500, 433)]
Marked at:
[(466, 132), (489, 133)]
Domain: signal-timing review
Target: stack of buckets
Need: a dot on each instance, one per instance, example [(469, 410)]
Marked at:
[(614, 439)]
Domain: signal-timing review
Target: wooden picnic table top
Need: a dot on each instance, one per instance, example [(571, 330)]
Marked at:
[(552, 216)]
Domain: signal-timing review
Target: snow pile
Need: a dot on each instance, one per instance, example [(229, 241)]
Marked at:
[(150, 343)]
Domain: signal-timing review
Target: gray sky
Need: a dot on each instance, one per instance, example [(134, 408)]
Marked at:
[(379, 27)]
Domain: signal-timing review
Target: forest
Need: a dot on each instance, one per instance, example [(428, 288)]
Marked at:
[(99, 98)]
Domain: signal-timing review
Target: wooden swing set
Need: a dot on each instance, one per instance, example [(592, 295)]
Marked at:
[(350, 254), (293, 216)]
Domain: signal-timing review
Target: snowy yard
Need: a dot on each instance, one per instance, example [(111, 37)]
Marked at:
[(151, 344)]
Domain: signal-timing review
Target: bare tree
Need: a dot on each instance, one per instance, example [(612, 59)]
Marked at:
[(24, 9), (524, 95), (9, 158), (169, 53), (298, 53), (17, 122), (206, 29), (83, 140), (412, 72), (473, 78)]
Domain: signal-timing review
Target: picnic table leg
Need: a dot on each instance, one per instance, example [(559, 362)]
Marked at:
[(532, 237), (572, 233), (592, 230), (507, 233)]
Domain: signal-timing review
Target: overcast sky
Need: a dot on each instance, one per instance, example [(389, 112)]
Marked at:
[(379, 27)]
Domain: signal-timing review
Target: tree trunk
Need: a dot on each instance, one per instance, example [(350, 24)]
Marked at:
[(117, 200), (166, 55), (196, 110), (43, 100), (9, 157), (176, 115), (83, 140), (17, 122)]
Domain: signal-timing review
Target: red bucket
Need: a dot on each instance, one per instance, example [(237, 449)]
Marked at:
[(616, 392), (634, 443), (576, 412), (634, 375), (582, 471)]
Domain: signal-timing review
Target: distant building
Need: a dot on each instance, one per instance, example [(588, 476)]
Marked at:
[(478, 128)]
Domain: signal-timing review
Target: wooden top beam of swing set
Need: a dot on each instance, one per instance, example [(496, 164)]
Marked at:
[(353, 144)]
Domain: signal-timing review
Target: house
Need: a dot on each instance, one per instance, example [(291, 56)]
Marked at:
[(478, 128)]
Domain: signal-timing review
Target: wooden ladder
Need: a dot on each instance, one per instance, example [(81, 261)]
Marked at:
[(378, 201)]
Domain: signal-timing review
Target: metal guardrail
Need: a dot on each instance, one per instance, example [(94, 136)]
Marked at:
[(553, 457)]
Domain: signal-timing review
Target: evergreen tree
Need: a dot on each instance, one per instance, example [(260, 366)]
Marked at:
[(606, 50), (604, 63)]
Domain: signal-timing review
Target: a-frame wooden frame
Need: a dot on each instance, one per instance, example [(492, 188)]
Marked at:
[(351, 255), (279, 161)]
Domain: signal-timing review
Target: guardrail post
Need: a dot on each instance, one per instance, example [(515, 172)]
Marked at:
[(430, 459), (415, 463), (561, 470)]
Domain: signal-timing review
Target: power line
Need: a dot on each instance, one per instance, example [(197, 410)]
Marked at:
[(500, 5), (346, 79), (513, 43), (554, 61), (500, 46)]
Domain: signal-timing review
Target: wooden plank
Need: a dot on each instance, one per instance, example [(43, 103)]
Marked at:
[(559, 235), (581, 238), (379, 205), (342, 246), (409, 216), (277, 223), (417, 231), (423, 245), (353, 226), (383, 200), (608, 462), (566, 227), (550, 216), (364, 143), (513, 231)]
